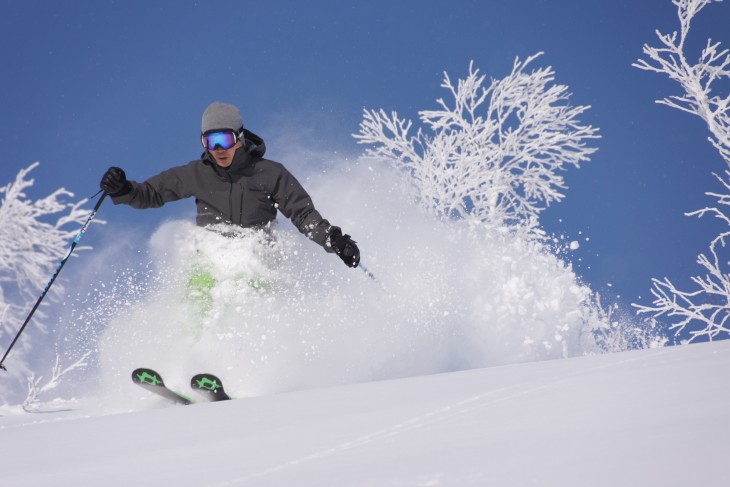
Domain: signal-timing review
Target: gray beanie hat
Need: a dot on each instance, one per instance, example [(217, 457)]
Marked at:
[(221, 116)]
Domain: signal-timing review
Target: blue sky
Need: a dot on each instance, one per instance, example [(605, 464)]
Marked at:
[(92, 84)]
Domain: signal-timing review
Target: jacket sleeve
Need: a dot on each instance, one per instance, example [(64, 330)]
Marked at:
[(296, 204), (169, 185)]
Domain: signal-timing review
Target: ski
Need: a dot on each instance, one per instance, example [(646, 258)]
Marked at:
[(152, 381), (209, 386)]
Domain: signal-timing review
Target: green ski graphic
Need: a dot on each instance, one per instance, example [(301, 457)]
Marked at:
[(210, 386), (146, 378)]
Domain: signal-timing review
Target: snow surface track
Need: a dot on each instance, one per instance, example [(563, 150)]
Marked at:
[(654, 417)]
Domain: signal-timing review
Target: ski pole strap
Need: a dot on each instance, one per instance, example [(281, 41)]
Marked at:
[(53, 278)]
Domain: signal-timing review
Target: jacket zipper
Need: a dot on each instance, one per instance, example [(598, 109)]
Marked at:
[(230, 197), (240, 211)]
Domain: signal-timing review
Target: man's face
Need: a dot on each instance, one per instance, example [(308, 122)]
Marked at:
[(224, 157)]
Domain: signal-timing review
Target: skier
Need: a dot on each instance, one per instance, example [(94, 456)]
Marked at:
[(233, 183)]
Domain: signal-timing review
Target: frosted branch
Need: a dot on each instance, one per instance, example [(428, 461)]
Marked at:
[(35, 389), (698, 81), (704, 311), (495, 153)]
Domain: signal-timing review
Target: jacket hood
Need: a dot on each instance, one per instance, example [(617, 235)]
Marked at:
[(254, 143)]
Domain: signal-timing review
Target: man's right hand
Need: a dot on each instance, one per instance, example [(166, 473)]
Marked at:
[(114, 182)]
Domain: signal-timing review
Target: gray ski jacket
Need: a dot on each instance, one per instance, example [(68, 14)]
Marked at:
[(247, 193)]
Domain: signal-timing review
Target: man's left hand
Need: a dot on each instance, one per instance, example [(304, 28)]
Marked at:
[(345, 247)]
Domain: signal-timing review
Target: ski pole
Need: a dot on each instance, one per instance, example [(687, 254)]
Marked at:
[(366, 271), (53, 278)]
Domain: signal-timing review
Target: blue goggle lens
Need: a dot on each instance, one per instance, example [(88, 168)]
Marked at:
[(225, 140)]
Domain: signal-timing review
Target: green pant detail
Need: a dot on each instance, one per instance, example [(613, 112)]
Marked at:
[(200, 284)]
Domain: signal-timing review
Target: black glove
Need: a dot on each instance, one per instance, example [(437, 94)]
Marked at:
[(114, 182), (345, 247)]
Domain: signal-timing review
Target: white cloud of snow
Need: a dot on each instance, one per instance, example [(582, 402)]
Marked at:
[(448, 296)]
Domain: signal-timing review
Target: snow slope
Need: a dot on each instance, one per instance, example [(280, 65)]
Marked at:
[(644, 418)]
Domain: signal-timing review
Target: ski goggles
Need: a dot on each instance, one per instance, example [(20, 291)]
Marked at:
[(225, 140)]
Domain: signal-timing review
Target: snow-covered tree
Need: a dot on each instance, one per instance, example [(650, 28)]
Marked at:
[(34, 236), (704, 311), (495, 154)]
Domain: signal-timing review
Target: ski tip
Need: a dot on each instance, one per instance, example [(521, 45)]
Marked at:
[(147, 376), (152, 381), (205, 381), (210, 385)]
